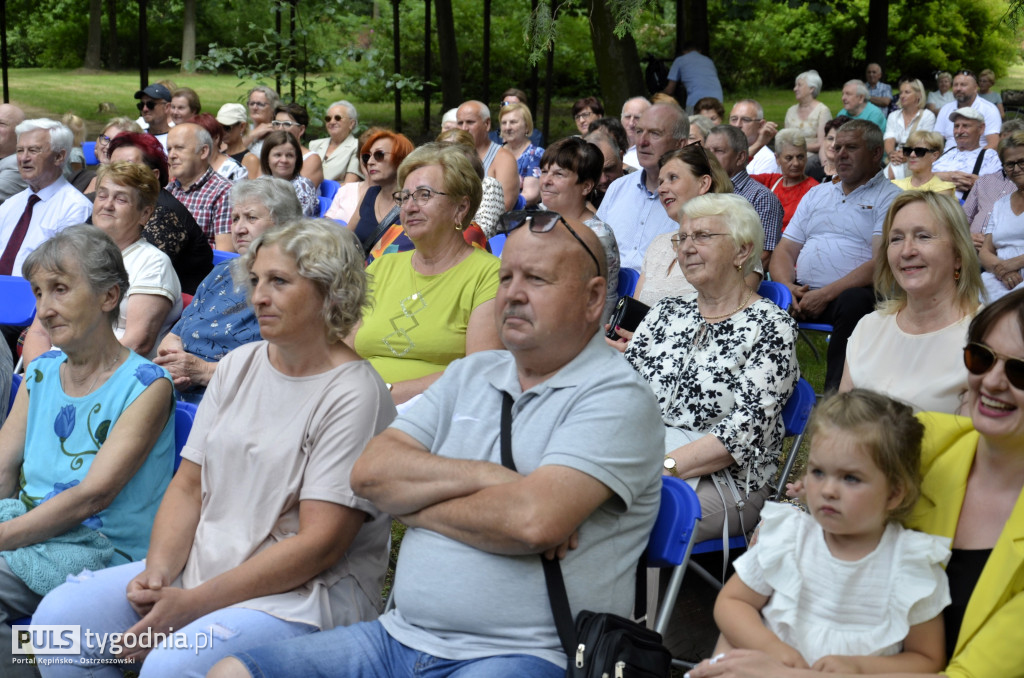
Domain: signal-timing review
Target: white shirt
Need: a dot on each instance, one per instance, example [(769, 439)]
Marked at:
[(149, 272), (636, 216), (764, 162), (963, 161), (944, 126), (896, 129), (834, 230), (60, 205), (631, 159)]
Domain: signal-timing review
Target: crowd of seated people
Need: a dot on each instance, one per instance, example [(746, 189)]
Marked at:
[(322, 328)]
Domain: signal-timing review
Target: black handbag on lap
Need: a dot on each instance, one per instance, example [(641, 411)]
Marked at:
[(599, 644)]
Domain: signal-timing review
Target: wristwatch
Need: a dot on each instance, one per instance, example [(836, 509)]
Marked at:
[(671, 466)]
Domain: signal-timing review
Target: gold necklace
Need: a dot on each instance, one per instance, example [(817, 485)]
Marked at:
[(96, 375), (743, 303)]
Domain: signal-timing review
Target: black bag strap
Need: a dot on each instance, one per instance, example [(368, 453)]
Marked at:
[(389, 219), (977, 163), (557, 595)]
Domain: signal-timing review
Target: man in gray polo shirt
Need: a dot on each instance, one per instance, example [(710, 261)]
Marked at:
[(588, 443)]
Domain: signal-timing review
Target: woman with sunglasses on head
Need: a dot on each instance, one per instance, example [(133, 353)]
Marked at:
[(973, 493), (281, 157), (377, 221), (293, 118), (433, 304), (1002, 255), (911, 117), (569, 171), (921, 151), (115, 126), (927, 275)]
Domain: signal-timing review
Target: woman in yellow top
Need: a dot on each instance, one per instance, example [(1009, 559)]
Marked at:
[(433, 304), (921, 151), (973, 493)]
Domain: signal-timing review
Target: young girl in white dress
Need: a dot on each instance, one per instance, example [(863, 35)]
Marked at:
[(845, 588)]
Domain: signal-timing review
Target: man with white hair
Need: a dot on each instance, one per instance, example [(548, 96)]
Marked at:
[(49, 204), (968, 160), (857, 106), (612, 168), (474, 117), (965, 95), (631, 112), (748, 116), (206, 194)]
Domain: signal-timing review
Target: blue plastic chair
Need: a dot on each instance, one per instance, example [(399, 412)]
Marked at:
[(220, 256), (497, 244), (628, 278), (814, 327), (672, 539), (89, 151), (19, 304), (184, 416), (777, 293), (327, 190), (15, 383)]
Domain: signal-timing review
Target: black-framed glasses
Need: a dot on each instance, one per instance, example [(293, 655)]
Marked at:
[(151, 104), (585, 115), (921, 152), (421, 196), (1011, 165), (379, 156), (979, 359), (540, 221), (699, 238)]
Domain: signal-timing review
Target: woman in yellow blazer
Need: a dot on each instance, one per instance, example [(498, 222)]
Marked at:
[(973, 493)]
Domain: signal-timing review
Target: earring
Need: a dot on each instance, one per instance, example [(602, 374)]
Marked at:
[(956, 275), (458, 226)]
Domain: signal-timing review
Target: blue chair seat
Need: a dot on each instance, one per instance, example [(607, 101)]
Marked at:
[(19, 304)]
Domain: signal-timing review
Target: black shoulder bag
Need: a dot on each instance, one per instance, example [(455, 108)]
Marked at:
[(598, 644)]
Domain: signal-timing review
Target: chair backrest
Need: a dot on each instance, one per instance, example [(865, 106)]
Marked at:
[(15, 383), (675, 526), (777, 293), (89, 151), (497, 243), (184, 415), (220, 256), (797, 411), (628, 278), (328, 188), (18, 305), (325, 204)]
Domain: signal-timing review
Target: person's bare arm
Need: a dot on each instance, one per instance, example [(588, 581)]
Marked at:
[(37, 341), (482, 330), (670, 88), (351, 178), (846, 383), (738, 616), (251, 163), (923, 652), (881, 102), (531, 191), (313, 169), (766, 133), (144, 318), (223, 242), (782, 268), (121, 455), (964, 181), (992, 140), (12, 445), (503, 168), (705, 455), (400, 476)]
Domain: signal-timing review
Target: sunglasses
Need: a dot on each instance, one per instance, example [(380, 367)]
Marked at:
[(335, 118), (979, 359), (151, 104), (916, 150), (540, 221), (377, 155)]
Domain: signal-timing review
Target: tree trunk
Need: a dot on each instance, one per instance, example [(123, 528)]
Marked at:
[(694, 20), (451, 78), (92, 46), (878, 32), (188, 35), (617, 61), (113, 58)]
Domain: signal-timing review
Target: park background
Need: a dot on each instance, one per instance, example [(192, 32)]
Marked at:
[(86, 56)]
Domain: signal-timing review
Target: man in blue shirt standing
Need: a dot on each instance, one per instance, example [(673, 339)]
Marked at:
[(698, 75)]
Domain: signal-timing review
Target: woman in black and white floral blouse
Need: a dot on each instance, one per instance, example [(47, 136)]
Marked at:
[(722, 366)]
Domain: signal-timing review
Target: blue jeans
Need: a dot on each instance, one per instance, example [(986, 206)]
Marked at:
[(365, 650)]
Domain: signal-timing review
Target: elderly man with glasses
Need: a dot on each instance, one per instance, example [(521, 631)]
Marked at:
[(748, 115)]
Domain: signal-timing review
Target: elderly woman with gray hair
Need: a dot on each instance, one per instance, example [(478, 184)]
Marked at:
[(260, 536), (793, 183), (261, 103), (218, 320), (339, 152), (722, 365), (87, 450), (808, 115)]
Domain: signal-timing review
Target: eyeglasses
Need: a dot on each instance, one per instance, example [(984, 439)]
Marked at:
[(1011, 165), (921, 152), (335, 118), (284, 124), (979, 359), (540, 221), (699, 238), (103, 140), (257, 104), (151, 104), (736, 120), (379, 156), (585, 115), (421, 196)]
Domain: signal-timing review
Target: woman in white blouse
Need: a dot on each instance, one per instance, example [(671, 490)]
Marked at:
[(928, 276), (911, 117)]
